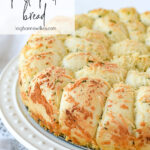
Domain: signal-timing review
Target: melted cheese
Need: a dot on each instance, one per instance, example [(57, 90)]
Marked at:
[(143, 117), (75, 44), (76, 61), (103, 13), (115, 30), (35, 64), (134, 61), (128, 47), (137, 31), (93, 36), (46, 89), (115, 129), (112, 73), (81, 107)]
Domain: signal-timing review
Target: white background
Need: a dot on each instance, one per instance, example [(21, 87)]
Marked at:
[(12, 22), (85, 5)]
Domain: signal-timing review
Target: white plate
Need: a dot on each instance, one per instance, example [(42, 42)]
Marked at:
[(17, 120)]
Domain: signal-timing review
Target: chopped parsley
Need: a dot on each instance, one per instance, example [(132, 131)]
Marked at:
[(72, 82), (90, 61), (57, 81), (113, 21), (27, 107), (77, 36), (39, 120), (110, 32), (83, 81), (128, 13), (105, 128)]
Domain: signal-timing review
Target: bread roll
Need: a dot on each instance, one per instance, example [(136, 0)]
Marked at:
[(128, 47), (137, 31), (45, 94), (145, 18), (115, 30), (77, 60), (115, 130), (75, 44), (128, 14), (111, 72), (93, 36), (137, 79), (81, 107), (83, 21), (134, 61), (143, 118)]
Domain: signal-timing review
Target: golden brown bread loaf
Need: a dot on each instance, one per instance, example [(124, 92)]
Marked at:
[(93, 87)]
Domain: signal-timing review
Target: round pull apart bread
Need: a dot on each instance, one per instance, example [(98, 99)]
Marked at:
[(93, 87)]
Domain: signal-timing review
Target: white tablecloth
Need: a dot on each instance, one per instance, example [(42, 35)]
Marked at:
[(7, 141)]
